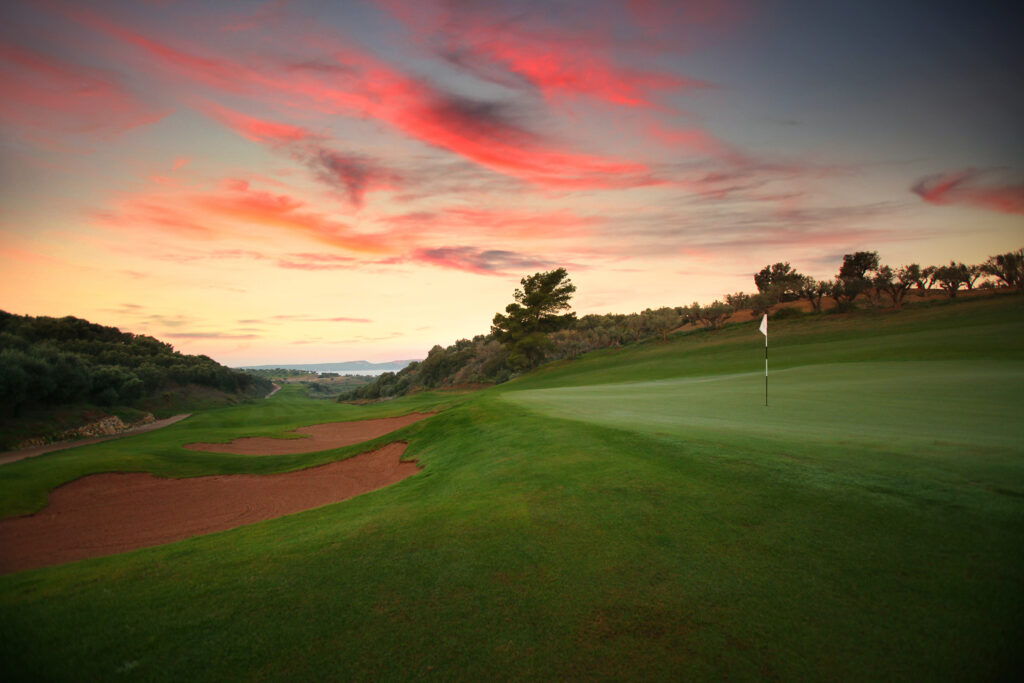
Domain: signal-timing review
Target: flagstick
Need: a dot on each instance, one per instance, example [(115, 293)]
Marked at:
[(763, 329)]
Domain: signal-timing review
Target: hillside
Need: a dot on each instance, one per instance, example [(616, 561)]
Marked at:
[(637, 513), (59, 373)]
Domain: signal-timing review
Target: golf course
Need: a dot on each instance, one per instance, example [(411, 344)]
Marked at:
[(636, 513)]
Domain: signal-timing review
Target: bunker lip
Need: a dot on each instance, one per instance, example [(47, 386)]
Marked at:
[(320, 437), (105, 514)]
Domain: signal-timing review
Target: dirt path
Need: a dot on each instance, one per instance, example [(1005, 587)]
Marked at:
[(104, 514), (12, 456), (320, 437)]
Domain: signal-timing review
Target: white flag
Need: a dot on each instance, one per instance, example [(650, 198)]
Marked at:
[(764, 326)]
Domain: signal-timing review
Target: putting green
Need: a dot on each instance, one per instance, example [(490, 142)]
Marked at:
[(938, 407)]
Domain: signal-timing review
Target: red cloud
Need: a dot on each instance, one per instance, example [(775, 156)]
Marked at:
[(571, 57), (564, 70), (363, 86), (257, 130), (237, 208), (987, 189), (45, 93), (481, 133)]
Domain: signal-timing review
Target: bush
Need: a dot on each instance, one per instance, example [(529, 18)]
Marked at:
[(786, 312)]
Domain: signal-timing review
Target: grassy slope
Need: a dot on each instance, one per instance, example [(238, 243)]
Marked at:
[(610, 517)]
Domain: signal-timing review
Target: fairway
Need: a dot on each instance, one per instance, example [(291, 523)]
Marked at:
[(634, 514)]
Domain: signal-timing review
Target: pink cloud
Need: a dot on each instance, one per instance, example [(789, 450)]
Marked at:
[(990, 189), (352, 174), (698, 141), (221, 74), (667, 19), (45, 93), (317, 262), (505, 223)]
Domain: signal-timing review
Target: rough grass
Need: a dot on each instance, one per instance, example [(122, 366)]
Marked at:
[(636, 514)]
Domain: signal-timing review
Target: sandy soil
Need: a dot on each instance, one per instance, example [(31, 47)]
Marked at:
[(11, 456), (320, 437), (104, 514)]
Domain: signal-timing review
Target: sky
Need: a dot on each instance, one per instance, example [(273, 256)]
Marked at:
[(287, 181)]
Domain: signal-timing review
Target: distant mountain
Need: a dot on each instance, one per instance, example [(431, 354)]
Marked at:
[(352, 366)]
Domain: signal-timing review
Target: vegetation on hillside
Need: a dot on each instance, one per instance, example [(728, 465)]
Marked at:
[(50, 362), (538, 327)]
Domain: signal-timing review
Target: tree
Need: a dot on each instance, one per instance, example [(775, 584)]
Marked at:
[(897, 284), (951, 277), (857, 264), (813, 290), (1008, 267), (739, 300), (852, 280), (973, 273), (779, 280), (927, 279), (662, 321), (711, 316), (762, 303), (845, 290), (537, 311)]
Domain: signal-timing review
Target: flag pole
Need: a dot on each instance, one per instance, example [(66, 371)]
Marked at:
[(763, 329)]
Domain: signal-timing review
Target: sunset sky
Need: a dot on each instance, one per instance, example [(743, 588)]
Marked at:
[(285, 181)]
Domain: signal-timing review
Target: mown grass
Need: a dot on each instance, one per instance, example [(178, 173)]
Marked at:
[(635, 514)]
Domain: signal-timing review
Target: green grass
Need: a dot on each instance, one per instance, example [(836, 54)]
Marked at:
[(635, 514)]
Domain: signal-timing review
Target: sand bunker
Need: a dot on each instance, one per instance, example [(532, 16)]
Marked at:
[(320, 437), (103, 514)]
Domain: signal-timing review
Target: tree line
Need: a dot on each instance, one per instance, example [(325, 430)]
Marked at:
[(537, 327), (59, 361), (862, 274)]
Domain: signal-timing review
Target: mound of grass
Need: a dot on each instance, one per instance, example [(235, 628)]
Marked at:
[(635, 514)]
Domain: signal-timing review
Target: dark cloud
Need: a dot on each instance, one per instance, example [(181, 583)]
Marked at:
[(487, 262), (353, 174), (208, 335)]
